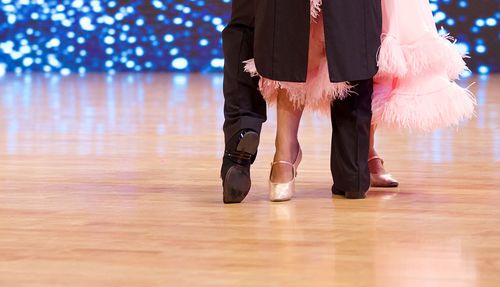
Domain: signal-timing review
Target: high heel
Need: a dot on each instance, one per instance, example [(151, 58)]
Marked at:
[(284, 191), (382, 179)]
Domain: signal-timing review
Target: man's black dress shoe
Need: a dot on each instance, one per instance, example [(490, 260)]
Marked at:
[(349, 194), (235, 173)]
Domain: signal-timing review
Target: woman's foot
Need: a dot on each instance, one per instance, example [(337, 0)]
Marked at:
[(378, 175), (283, 174)]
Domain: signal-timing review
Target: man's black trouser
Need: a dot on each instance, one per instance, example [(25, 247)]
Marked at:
[(244, 107)]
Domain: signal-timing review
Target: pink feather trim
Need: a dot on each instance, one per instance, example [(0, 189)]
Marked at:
[(391, 58), (424, 112), (430, 52), (316, 8), (303, 95)]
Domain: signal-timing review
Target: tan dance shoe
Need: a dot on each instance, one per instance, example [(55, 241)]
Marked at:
[(382, 179), (284, 191)]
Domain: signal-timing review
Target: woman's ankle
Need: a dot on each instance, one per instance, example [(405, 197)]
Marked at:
[(372, 153), (287, 152)]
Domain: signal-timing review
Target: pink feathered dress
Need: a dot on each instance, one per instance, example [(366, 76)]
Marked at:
[(415, 86)]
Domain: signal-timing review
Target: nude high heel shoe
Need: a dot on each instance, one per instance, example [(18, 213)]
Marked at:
[(284, 191), (382, 179)]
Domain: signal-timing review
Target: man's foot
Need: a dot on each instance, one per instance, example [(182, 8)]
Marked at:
[(235, 172), (349, 194)]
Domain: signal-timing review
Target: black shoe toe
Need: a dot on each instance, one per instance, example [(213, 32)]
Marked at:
[(349, 194)]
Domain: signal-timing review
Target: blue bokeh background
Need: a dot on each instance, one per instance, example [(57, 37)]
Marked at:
[(79, 36)]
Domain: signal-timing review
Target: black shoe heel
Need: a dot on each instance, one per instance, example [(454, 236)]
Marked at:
[(249, 143)]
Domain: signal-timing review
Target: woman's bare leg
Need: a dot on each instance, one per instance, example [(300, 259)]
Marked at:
[(287, 143)]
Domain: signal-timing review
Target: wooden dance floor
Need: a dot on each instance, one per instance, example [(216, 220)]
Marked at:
[(114, 181)]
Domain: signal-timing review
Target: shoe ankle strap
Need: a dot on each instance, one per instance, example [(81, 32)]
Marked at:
[(376, 157), (294, 170), (283, 162)]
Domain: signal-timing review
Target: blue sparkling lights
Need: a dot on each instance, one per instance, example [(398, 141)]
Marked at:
[(78, 36)]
